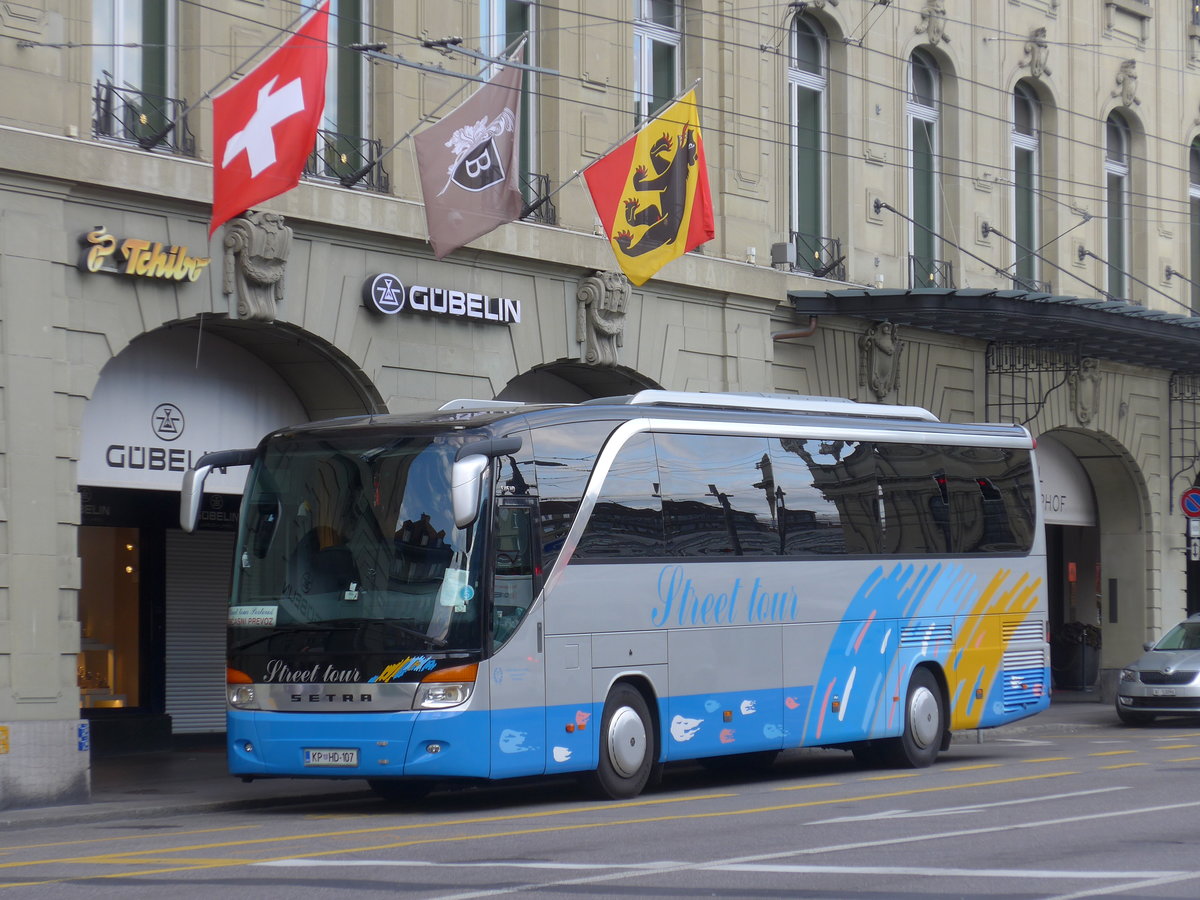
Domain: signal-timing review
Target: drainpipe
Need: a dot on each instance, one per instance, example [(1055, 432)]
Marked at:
[(808, 331)]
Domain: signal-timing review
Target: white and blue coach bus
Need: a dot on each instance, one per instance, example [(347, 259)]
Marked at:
[(491, 591)]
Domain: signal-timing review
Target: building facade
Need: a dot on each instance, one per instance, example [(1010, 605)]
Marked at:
[(990, 210)]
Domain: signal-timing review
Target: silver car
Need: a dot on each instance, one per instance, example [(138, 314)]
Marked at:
[(1165, 680)]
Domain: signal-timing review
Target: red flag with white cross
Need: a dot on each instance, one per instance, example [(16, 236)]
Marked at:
[(265, 126)]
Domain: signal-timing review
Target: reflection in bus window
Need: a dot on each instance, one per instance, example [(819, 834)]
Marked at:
[(713, 504), (513, 572), (627, 519), (913, 498), (827, 496)]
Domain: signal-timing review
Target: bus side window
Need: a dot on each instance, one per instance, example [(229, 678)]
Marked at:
[(513, 570)]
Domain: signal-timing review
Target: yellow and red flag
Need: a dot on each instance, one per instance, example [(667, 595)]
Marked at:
[(651, 192)]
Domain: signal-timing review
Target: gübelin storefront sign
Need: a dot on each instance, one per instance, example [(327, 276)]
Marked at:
[(139, 257), (385, 294)]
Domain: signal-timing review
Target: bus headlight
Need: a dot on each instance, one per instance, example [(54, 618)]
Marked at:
[(444, 688), (442, 695), (242, 696)]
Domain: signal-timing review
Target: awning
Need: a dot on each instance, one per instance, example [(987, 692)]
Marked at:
[(1106, 329)]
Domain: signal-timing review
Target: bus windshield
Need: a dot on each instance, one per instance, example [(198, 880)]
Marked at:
[(348, 547)]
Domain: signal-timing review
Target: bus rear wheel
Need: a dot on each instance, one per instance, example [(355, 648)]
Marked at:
[(628, 746), (924, 723)]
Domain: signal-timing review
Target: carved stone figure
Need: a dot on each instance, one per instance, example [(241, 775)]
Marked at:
[(1037, 51), (600, 316), (1085, 390), (879, 358), (256, 251), (1127, 84), (933, 22)]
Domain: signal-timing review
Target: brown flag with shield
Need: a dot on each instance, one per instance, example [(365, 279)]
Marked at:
[(470, 165)]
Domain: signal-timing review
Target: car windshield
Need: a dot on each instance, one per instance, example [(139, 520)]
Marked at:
[(1184, 636), (350, 542)]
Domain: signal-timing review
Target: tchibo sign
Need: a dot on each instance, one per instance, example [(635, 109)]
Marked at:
[(387, 295)]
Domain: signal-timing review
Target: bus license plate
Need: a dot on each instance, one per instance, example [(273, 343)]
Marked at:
[(1162, 692), (330, 757)]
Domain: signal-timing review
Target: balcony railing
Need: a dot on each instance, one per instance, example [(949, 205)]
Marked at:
[(338, 156), (540, 208), (1030, 284), (930, 273), (820, 256), (135, 117)]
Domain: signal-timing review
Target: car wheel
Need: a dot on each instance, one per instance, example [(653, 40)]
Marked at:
[(1132, 717), (924, 724), (628, 745)]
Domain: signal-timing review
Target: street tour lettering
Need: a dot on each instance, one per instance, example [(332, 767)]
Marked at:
[(681, 602), (142, 258), (280, 672)]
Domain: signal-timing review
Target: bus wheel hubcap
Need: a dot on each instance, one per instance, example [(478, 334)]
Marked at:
[(626, 741), (923, 717)]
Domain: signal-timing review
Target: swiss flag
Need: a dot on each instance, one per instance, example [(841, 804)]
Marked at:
[(265, 125)]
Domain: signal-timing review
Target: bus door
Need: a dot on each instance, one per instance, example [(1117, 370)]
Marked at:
[(518, 685)]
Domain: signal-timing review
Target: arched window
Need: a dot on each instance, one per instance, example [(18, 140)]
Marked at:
[(924, 110), (1116, 201), (1026, 136), (1194, 217), (807, 116)]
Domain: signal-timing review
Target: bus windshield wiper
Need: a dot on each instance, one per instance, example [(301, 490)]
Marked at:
[(395, 624)]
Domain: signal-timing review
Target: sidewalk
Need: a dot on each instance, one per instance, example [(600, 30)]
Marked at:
[(195, 779)]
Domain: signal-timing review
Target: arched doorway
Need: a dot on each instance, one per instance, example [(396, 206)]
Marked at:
[(570, 381), (1094, 503), (152, 598)]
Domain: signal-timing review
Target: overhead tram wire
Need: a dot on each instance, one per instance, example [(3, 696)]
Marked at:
[(1177, 216), (880, 205), (1085, 253)]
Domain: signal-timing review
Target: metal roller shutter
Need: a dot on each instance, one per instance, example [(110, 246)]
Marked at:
[(198, 569)]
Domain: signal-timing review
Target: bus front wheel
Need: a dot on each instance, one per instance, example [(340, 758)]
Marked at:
[(924, 723), (628, 748)]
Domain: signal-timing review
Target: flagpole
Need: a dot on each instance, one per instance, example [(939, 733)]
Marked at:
[(352, 178), (531, 208), (149, 143)]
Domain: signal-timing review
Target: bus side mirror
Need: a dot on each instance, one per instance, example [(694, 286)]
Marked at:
[(465, 487), (192, 491)]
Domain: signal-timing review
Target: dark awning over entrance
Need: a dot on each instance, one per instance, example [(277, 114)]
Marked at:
[(1107, 329)]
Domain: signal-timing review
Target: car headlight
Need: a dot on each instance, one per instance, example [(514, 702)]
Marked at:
[(1129, 676), (443, 695), (444, 688), (242, 696)]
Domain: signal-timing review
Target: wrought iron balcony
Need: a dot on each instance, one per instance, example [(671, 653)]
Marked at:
[(819, 256), (924, 272), (1032, 285), (538, 205), (340, 156), (132, 116)]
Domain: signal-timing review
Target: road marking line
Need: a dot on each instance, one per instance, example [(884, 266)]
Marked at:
[(1122, 766), (447, 839), (780, 868), (860, 845), (1112, 753), (1046, 759)]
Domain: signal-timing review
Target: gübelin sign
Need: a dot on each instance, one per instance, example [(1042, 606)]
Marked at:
[(139, 257)]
